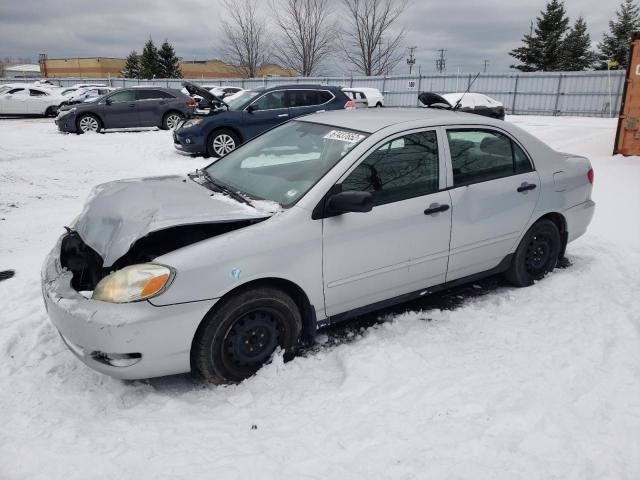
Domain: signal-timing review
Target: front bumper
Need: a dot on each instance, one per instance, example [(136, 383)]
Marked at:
[(189, 141), (66, 123), (161, 336)]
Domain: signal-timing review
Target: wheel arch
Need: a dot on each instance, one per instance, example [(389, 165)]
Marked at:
[(561, 222), (90, 112), (297, 294), (226, 126)]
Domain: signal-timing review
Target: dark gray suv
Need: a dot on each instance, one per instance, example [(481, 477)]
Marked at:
[(128, 108)]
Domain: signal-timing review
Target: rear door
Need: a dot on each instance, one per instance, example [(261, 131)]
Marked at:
[(38, 101), (121, 110), (494, 190), (151, 105), (400, 246), (267, 111)]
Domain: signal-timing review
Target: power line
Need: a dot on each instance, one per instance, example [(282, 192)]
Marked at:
[(486, 62), (411, 60), (441, 62)]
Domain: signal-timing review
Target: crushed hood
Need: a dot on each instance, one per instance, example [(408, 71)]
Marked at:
[(433, 100), (121, 212)]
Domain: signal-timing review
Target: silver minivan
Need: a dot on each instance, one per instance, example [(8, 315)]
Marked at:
[(314, 222)]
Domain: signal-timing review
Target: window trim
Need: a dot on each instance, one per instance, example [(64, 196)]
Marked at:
[(170, 97), (442, 165), (445, 128)]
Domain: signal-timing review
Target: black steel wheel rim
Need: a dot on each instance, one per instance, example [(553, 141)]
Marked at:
[(252, 339), (539, 252)]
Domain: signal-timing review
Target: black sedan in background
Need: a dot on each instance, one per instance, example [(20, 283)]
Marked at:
[(128, 108), (477, 103)]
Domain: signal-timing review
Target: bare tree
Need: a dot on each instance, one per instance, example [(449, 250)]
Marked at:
[(368, 39), (307, 34), (245, 35)]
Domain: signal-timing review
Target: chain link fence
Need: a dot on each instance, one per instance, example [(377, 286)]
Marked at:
[(594, 94)]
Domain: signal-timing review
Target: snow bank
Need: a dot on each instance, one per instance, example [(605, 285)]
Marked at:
[(533, 383)]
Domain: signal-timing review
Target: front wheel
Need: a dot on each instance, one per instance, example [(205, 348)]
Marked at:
[(236, 339), (88, 123), (537, 254), (222, 142)]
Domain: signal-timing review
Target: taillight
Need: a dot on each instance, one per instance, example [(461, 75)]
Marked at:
[(191, 102), (590, 176), (350, 105)]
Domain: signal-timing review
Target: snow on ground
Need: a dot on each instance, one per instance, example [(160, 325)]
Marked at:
[(536, 383)]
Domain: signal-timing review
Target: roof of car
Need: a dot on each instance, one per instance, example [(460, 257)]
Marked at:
[(295, 86), (374, 119)]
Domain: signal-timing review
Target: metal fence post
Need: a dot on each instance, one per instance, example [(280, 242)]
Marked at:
[(419, 87), (556, 112), (384, 83), (515, 94)]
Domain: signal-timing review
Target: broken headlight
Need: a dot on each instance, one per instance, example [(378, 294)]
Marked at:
[(132, 283)]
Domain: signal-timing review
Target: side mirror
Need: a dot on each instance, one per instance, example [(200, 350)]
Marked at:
[(251, 109), (350, 202), (108, 101)]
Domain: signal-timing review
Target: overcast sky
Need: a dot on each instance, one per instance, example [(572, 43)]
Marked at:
[(470, 30)]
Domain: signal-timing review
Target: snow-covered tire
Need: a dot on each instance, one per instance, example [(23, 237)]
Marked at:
[(51, 112), (236, 338), (171, 120), (88, 123), (221, 142), (537, 254)]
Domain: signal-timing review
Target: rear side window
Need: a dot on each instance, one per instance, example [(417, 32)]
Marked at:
[(403, 168), (151, 94), (123, 96), (480, 155)]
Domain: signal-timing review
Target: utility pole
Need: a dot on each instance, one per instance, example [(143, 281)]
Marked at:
[(411, 60), (441, 61), (486, 62)]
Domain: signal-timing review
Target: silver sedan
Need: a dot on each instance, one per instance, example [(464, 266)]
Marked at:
[(316, 221)]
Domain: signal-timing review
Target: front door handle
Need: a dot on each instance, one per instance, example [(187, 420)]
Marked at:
[(525, 187), (436, 208), (283, 115), (131, 105)]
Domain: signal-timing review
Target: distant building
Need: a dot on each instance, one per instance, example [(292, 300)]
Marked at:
[(21, 71), (102, 67)]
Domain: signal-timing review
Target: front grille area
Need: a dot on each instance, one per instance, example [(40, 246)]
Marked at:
[(82, 261)]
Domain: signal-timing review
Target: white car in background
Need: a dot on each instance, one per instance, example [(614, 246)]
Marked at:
[(224, 91), (27, 99), (476, 103), (372, 95)]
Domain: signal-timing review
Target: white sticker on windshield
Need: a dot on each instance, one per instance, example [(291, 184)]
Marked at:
[(342, 136)]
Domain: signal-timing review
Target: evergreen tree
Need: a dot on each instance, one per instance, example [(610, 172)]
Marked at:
[(576, 53), (169, 64), (132, 67), (149, 61), (615, 46), (542, 48)]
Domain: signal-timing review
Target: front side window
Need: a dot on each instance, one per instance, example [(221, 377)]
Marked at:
[(480, 155), (37, 93), (403, 168), (284, 163), (124, 96), (271, 101), (17, 91)]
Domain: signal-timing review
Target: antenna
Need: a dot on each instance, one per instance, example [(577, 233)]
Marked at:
[(457, 105)]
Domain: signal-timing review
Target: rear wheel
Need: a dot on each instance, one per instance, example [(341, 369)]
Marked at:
[(379, 105), (536, 255), (171, 120), (88, 123), (222, 142), (236, 339), (51, 112)]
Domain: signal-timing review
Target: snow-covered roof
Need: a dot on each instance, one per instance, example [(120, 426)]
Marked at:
[(28, 67)]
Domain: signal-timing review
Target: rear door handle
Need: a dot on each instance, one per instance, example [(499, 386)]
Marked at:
[(283, 115), (131, 105), (436, 208), (526, 187)]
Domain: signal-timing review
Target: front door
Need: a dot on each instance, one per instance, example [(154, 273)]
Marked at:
[(400, 246), (121, 111), (269, 110), (495, 190)]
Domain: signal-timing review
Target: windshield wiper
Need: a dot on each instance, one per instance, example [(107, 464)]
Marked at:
[(221, 187)]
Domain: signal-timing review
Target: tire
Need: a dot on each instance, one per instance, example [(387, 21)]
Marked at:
[(537, 254), (378, 105), (236, 339), (171, 120), (51, 112), (221, 142), (88, 123)]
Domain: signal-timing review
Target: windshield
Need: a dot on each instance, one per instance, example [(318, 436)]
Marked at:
[(284, 163), (240, 99)]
